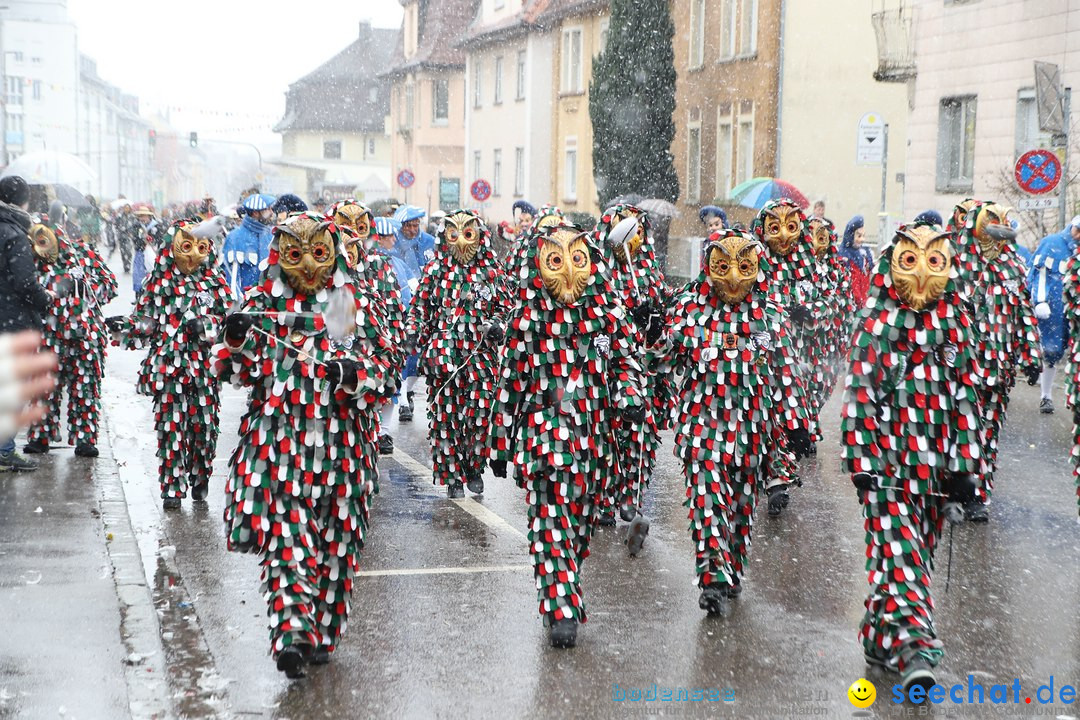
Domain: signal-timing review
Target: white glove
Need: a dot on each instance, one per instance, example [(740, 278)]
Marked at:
[(1042, 311), (413, 284)]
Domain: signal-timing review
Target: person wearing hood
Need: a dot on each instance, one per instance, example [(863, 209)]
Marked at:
[(147, 239), (1045, 282), (858, 258), (178, 315), (287, 204), (247, 246), (414, 246), (23, 301), (713, 218)]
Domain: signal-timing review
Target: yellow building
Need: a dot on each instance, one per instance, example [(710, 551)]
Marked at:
[(580, 29), (427, 103), (334, 142)]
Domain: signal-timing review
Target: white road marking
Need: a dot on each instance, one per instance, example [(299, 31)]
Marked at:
[(469, 505), (444, 571)]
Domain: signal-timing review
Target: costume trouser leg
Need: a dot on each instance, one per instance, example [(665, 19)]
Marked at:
[(562, 517), (441, 431), (995, 403), (902, 531), (344, 523), (637, 455), (125, 250), (187, 430), (458, 428), (708, 496), (744, 493), (290, 572), (47, 430)]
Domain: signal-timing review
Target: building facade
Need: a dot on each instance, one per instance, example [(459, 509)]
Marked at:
[(508, 119), (973, 110), (334, 139), (427, 104)]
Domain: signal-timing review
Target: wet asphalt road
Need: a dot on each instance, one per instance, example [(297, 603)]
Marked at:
[(444, 620)]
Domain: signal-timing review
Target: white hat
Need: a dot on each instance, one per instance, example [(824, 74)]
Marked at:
[(1075, 222)]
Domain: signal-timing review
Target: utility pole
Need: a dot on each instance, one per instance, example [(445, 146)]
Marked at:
[(883, 216), (1064, 192)]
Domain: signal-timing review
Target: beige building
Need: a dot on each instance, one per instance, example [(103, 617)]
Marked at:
[(826, 41), (508, 115), (334, 140), (427, 103)]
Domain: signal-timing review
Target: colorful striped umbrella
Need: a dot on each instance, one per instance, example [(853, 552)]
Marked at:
[(754, 193)]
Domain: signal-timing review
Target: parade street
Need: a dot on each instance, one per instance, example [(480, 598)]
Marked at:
[(113, 606)]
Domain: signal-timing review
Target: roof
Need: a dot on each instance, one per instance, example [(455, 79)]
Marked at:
[(441, 24), (550, 12), (535, 15), (344, 94)]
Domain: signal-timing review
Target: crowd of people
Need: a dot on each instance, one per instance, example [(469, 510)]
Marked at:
[(559, 363)]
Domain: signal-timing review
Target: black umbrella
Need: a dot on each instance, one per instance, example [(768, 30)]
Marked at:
[(64, 193)]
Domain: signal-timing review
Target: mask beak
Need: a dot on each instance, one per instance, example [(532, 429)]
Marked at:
[(1001, 232)]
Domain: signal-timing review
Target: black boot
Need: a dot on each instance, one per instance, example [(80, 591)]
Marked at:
[(199, 491), (778, 500), (635, 536), (171, 503), (86, 450), (291, 662), (35, 447), (405, 411), (476, 485), (320, 655), (918, 671), (455, 490), (627, 511), (607, 518), (714, 599), (976, 512), (735, 590), (563, 633), (386, 445)]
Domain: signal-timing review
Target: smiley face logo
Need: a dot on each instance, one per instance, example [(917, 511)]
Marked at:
[(862, 693)]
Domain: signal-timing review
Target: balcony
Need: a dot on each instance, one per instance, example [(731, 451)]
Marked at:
[(895, 32)]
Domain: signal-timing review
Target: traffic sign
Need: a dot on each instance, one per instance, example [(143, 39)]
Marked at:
[(1038, 171), (480, 190), (405, 178), (1039, 203), (870, 141)]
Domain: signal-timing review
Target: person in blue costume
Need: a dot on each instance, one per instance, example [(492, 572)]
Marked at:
[(1045, 276), (414, 249), (248, 245)]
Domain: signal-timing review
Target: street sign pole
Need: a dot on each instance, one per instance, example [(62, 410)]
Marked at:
[(1064, 192), (884, 216)]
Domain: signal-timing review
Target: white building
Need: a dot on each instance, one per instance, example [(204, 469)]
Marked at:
[(973, 102), (508, 95)]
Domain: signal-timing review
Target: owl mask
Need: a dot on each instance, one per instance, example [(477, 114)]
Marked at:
[(565, 263), (306, 253), (992, 230), (463, 233), (625, 253), (781, 228), (920, 265), (733, 264), (44, 243), (357, 218), (822, 236), (189, 252)]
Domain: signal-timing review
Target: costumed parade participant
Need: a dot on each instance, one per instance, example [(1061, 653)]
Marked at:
[(830, 339), (1045, 282), (911, 437), (1004, 325), (739, 389), (246, 246), (415, 249), (75, 330), (456, 321), (639, 283), (178, 316), (309, 343), (568, 370), (514, 262), (781, 228)]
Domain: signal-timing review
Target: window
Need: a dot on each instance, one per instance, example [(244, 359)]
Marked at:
[(477, 77), (476, 165), (693, 162), (605, 25), (410, 105), (697, 33), (570, 170), (36, 87), (727, 29), (1028, 134), (748, 10), (14, 90), (440, 101), (498, 79), (520, 75), (18, 54), (571, 61), (723, 153), (331, 149), (956, 144), (370, 147), (519, 171), (744, 153), (496, 173)]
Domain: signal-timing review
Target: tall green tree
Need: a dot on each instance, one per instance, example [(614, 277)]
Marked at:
[(631, 102)]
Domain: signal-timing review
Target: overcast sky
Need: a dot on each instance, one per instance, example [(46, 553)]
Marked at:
[(222, 66)]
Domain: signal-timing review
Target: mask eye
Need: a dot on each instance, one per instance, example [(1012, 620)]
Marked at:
[(908, 259), (722, 267), (936, 261), (186, 246), (320, 252), (470, 235), (792, 227), (452, 235), (773, 228), (294, 254), (580, 259), (204, 248), (554, 261), (745, 267)]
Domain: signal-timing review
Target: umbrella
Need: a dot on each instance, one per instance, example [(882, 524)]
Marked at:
[(64, 193), (49, 167), (659, 208), (119, 203), (627, 199), (756, 192)]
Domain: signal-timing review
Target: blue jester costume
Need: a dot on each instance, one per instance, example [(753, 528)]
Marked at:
[(75, 330), (739, 391), (1003, 320), (1045, 282), (568, 369), (455, 320), (177, 318), (311, 344), (639, 282), (911, 437)]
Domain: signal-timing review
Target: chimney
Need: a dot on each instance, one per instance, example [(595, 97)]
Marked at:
[(365, 29)]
